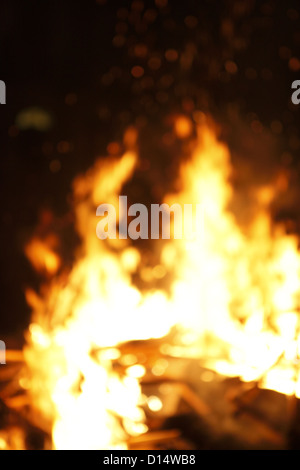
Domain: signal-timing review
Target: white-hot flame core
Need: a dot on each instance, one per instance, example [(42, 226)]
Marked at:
[(234, 298)]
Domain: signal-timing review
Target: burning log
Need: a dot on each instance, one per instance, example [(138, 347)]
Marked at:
[(151, 438)]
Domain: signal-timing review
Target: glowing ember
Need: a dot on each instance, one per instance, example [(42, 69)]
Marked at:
[(233, 302)]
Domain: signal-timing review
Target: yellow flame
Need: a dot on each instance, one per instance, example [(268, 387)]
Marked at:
[(233, 297)]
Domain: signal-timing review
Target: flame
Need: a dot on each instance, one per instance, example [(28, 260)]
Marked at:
[(233, 300), (42, 255)]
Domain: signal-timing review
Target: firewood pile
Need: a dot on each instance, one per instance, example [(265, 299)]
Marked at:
[(204, 410), (200, 409)]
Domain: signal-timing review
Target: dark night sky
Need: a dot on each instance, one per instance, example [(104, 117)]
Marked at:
[(74, 60)]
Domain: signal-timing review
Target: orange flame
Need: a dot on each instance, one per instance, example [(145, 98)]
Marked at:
[(233, 299)]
